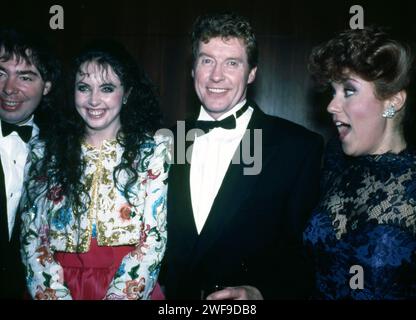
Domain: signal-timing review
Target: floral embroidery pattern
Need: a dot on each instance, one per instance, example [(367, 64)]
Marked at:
[(49, 224), (55, 194), (47, 294), (125, 212), (151, 175), (134, 288), (61, 218), (44, 255), (121, 270)]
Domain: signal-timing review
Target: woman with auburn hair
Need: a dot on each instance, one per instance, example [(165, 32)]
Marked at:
[(362, 233)]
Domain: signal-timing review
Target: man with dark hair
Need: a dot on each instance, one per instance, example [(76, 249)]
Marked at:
[(28, 75), (235, 233)]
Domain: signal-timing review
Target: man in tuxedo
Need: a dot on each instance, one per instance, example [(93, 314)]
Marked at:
[(235, 228), (28, 72)]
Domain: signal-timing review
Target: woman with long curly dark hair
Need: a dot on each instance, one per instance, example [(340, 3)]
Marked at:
[(362, 235), (94, 220)]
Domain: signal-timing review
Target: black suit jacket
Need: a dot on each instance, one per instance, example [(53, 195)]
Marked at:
[(253, 234), (12, 275)]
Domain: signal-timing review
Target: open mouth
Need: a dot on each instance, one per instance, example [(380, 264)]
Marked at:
[(95, 113), (10, 105), (217, 90), (343, 129)]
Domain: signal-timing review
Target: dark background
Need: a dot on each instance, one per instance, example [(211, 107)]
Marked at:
[(157, 33)]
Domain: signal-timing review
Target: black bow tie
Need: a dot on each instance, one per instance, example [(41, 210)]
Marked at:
[(226, 123), (25, 132)]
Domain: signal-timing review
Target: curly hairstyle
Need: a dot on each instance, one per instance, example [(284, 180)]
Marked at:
[(34, 50), (372, 54), (224, 25), (140, 118)]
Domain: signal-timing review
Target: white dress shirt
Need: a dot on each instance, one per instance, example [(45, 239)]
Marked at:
[(211, 156), (14, 151)]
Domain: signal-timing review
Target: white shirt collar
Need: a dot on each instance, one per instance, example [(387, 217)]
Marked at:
[(204, 115)]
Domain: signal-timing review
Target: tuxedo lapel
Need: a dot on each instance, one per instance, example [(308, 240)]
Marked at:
[(12, 274), (180, 215), (4, 229), (234, 190)]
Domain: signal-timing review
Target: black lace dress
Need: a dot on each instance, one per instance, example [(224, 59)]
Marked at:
[(366, 218)]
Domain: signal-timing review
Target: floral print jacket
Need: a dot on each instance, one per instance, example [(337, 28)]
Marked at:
[(49, 222)]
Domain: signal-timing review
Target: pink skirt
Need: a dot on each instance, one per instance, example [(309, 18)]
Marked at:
[(88, 275)]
